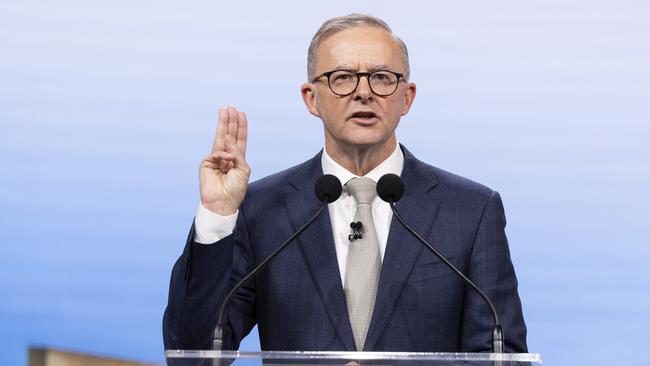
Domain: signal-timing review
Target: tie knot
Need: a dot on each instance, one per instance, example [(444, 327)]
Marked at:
[(363, 189)]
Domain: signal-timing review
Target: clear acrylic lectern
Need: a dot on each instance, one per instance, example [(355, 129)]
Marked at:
[(281, 358)]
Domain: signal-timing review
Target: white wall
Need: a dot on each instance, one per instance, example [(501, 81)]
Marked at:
[(107, 107)]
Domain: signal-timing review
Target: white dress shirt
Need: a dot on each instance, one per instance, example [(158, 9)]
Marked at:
[(210, 227)]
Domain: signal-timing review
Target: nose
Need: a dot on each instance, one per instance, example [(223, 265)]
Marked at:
[(363, 91)]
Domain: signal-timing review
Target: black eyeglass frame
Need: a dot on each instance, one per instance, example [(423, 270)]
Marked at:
[(359, 75)]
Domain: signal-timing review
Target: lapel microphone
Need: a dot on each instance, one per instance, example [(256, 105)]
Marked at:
[(357, 231), (328, 189), (390, 188)]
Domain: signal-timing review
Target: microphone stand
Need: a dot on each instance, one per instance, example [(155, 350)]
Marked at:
[(497, 332), (217, 339), (328, 190)]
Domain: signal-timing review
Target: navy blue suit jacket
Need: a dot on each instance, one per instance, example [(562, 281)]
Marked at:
[(298, 300)]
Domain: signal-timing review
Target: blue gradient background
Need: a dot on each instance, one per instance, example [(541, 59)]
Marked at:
[(107, 107)]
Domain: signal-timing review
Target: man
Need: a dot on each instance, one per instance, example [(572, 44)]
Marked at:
[(327, 291)]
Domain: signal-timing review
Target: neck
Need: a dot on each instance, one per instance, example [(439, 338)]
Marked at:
[(360, 160)]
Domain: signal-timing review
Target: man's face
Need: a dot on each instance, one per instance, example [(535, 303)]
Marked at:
[(362, 119)]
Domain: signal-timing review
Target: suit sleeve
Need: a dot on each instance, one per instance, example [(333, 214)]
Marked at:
[(200, 280), (491, 269)]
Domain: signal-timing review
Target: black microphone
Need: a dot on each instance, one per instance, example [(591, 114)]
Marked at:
[(390, 188), (328, 189), (357, 231)]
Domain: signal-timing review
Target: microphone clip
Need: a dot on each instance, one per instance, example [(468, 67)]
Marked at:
[(357, 231)]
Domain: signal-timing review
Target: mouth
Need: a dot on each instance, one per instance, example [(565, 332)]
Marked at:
[(364, 117)]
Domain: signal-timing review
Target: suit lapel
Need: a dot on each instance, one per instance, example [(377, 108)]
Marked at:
[(402, 250), (317, 247)]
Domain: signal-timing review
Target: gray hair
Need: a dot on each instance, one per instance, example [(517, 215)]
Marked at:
[(337, 24)]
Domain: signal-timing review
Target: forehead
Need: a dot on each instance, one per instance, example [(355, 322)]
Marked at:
[(360, 49)]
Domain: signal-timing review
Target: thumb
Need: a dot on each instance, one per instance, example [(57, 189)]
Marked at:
[(233, 148)]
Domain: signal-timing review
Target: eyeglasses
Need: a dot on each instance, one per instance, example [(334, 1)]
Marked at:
[(343, 83)]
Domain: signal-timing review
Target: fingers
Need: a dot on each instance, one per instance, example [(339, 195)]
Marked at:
[(221, 164), (220, 160), (242, 133), (230, 157), (233, 119), (222, 130), (234, 124), (236, 150)]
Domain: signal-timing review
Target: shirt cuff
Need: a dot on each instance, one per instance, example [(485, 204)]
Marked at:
[(210, 227)]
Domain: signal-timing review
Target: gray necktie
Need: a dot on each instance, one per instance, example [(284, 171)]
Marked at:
[(363, 263)]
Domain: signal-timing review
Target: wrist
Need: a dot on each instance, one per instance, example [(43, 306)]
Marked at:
[(220, 208)]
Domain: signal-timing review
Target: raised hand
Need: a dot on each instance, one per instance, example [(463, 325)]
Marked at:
[(224, 174)]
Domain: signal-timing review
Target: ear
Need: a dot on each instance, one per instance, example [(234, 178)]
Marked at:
[(409, 98), (308, 93)]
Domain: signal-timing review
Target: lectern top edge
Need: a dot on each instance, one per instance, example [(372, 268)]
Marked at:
[(344, 355)]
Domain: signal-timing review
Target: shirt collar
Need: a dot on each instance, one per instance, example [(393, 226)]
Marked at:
[(392, 164)]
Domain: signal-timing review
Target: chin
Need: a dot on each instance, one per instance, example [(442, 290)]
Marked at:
[(361, 137), (366, 142)]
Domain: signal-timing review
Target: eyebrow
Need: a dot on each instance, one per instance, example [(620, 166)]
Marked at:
[(353, 69)]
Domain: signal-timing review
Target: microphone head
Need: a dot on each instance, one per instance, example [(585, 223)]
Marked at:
[(328, 187), (390, 187)]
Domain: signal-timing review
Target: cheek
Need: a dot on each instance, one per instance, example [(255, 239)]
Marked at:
[(393, 110), (334, 111), (399, 106)]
